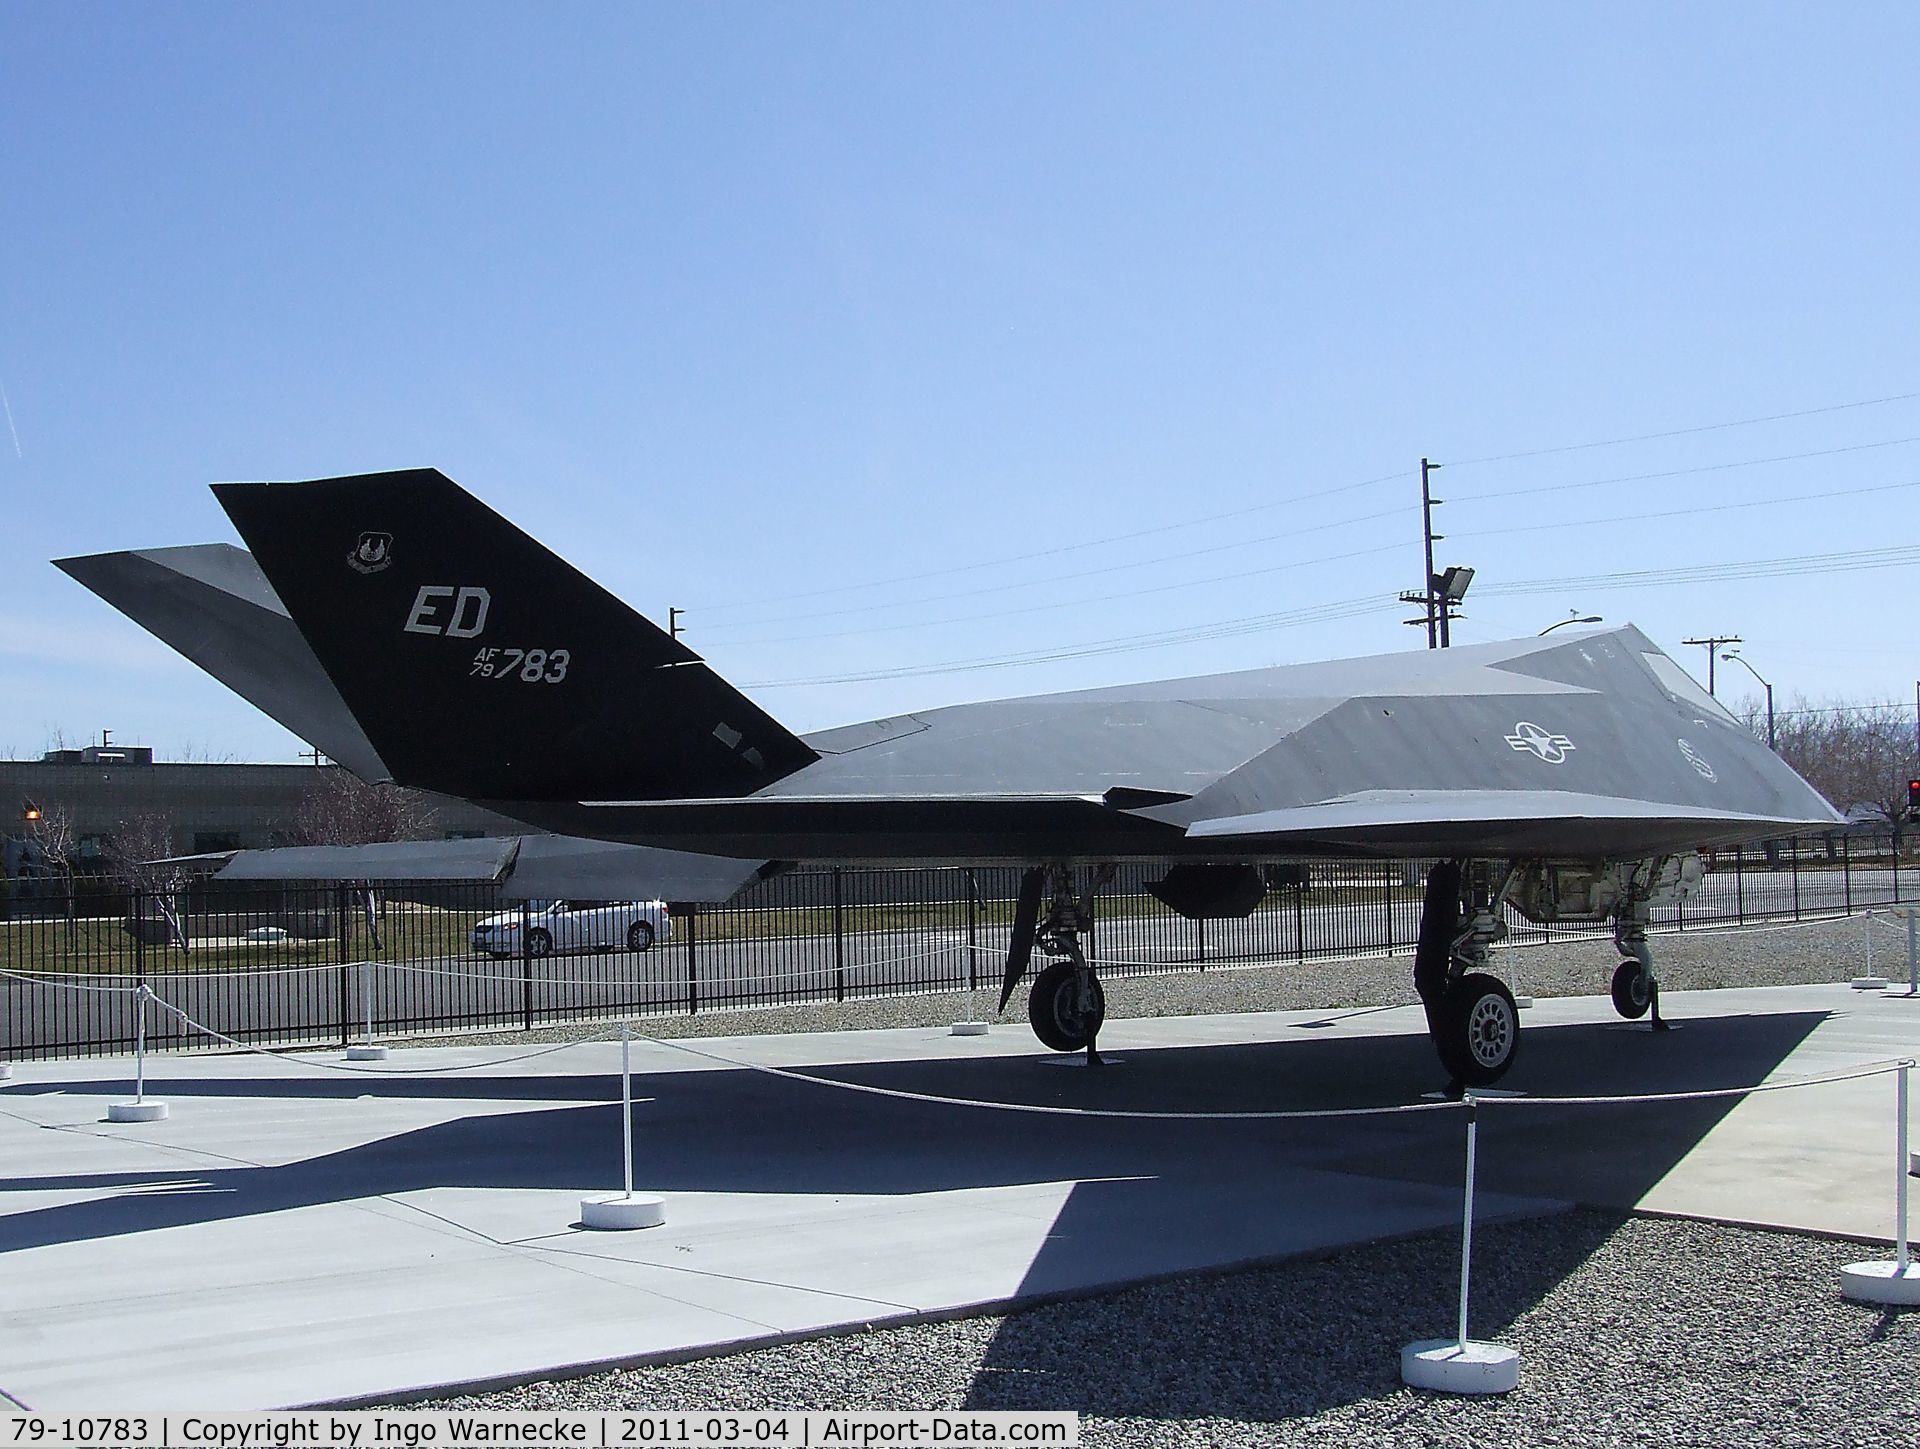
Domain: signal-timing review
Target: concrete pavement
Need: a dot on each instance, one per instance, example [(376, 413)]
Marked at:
[(298, 1233)]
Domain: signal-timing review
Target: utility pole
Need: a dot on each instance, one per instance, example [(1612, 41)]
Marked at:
[(1427, 597), (1713, 643), (673, 622)]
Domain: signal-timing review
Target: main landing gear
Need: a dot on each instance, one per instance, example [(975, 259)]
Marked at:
[(1065, 1005), (1636, 985), (1471, 1015)]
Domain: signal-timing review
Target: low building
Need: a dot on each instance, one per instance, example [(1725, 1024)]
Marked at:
[(96, 791)]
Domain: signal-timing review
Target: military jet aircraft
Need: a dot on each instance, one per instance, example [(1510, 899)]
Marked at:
[(1575, 778)]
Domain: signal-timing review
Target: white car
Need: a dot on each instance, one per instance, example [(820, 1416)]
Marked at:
[(575, 926)]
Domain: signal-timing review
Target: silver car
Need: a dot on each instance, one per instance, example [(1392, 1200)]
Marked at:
[(574, 926)]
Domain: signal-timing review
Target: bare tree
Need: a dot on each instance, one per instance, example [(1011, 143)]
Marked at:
[(59, 841), (343, 809), (143, 858), (1860, 756)]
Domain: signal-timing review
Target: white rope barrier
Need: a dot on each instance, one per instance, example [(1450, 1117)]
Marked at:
[(286, 1056), (826, 968)]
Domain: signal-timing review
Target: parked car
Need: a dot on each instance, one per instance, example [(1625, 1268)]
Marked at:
[(575, 926)]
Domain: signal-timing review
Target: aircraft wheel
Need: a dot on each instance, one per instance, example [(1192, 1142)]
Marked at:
[(1479, 1033), (1632, 990), (639, 936), (539, 943), (1053, 1006)]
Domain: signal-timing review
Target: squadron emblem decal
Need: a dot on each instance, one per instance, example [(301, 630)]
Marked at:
[(1529, 739), (373, 553), (1692, 758)]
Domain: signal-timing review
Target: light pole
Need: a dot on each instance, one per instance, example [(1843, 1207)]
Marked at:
[(1741, 659), (1575, 619)]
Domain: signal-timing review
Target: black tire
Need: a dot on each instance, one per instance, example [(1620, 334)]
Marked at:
[(1632, 990), (1479, 1034), (1053, 1006), (539, 943), (639, 936)]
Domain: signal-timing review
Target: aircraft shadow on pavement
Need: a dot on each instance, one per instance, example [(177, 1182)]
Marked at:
[(742, 1132)]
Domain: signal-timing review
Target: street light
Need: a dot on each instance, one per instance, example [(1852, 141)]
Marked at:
[(1575, 619), (1733, 658)]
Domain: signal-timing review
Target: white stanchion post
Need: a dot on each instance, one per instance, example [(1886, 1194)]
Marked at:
[(626, 1107), (1458, 1365), (1913, 951), (1466, 1223), (630, 1209), (1868, 981), (973, 1025), (1904, 1171), (1896, 1282), (139, 1109), (366, 1051)]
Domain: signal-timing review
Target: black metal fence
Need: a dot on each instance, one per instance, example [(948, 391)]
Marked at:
[(315, 964)]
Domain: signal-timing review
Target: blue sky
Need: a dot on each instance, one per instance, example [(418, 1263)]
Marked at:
[(823, 321)]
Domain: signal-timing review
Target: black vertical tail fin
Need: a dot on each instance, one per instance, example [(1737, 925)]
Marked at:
[(482, 665)]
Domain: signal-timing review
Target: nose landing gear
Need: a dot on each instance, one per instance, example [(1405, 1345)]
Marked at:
[(1066, 1004)]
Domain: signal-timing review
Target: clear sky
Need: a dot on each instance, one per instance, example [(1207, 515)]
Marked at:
[(822, 321)]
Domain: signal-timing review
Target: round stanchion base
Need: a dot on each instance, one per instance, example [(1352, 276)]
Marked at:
[(1446, 1366), (366, 1052), (136, 1111), (1870, 983), (1881, 1283), (623, 1214), (967, 1028)]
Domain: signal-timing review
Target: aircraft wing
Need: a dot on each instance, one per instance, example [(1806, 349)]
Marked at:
[(1505, 822), (526, 867)]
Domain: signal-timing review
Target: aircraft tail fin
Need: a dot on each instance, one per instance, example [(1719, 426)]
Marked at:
[(482, 665)]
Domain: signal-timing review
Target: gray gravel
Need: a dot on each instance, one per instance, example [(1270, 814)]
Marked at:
[(1692, 960), (1632, 1331)]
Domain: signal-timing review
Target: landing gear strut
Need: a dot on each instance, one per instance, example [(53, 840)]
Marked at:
[(1066, 1004), (1636, 985), (1471, 1015)]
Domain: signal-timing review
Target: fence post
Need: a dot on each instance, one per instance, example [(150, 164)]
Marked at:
[(1388, 871), (1200, 929), (1300, 916), (693, 972), (526, 966), (839, 940), (1793, 849), (973, 931), (1846, 869), (340, 964), (1740, 884)]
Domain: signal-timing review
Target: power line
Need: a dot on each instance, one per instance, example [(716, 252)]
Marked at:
[(1638, 517), (1872, 402), (1610, 520), (1852, 561), (1290, 566), (1054, 552), (1200, 633), (1905, 555), (1043, 581), (1306, 495), (1676, 472)]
